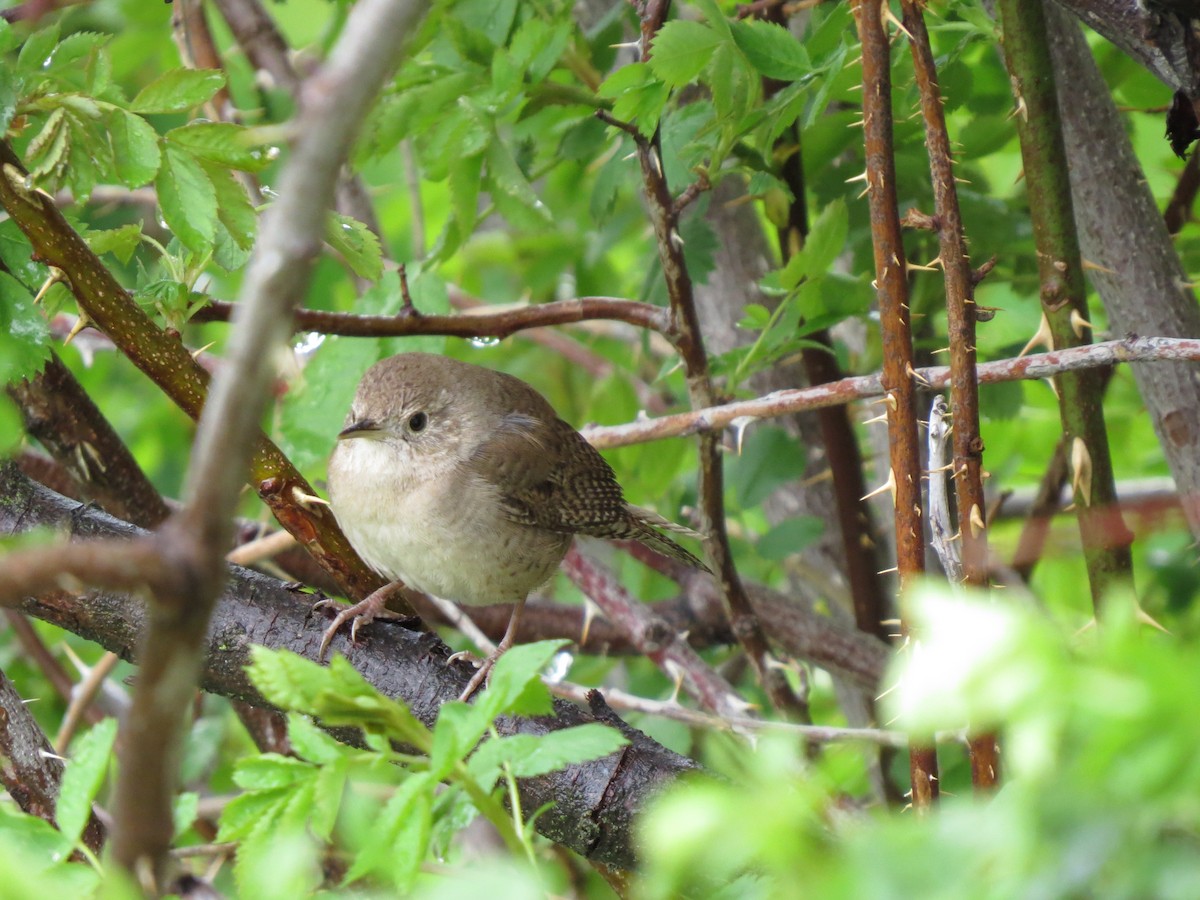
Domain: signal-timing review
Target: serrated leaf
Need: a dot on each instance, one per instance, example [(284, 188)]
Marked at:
[(247, 812), (771, 49), (516, 685), (397, 846), (83, 777), (528, 755), (24, 334), (458, 729), (48, 148), (234, 209), (357, 244), (464, 177), (327, 789), (219, 142), (184, 811), (681, 51), (638, 96), (511, 190), (287, 680), (178, 90), (38, 47), (136, 156), (120, 242), (310, 742), (269, 771), (825, 242), (73, 48), (187, 199)]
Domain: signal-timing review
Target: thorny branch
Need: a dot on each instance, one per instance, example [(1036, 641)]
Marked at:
[(891, 283), (1105, 539), (967, 465), (688, 340)]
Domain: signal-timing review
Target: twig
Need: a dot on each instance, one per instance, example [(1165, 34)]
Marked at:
[(689, 343), (333, 104), (487, 322), (861, 387), (1106, 541), (891, 281), (967, 466), (664, 647), (82, 698)]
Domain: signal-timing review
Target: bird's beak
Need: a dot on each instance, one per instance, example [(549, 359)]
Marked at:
[(363, 428)]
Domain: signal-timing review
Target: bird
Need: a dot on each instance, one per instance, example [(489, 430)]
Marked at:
[(464, 483)]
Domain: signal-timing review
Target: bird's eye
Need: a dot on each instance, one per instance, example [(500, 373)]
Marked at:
[(417, 422)]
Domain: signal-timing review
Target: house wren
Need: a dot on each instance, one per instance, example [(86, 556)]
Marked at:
[(464, 483)]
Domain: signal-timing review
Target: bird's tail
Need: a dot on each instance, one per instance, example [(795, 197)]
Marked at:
[(647, 525)]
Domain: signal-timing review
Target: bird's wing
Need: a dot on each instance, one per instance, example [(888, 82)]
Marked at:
[(550, 477)]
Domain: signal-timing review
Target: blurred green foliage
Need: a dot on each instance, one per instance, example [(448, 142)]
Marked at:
[(492, 179)]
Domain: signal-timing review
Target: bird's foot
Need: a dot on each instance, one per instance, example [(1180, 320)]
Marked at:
[(373, 607), (483, 675)]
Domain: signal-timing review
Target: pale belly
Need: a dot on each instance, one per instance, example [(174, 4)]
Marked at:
[(440, 537)]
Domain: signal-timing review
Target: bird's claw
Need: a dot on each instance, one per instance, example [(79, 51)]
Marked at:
[(362, 613)]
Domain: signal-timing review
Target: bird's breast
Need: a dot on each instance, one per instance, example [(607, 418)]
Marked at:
[(437, 527)]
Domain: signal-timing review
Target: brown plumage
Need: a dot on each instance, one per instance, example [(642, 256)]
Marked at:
[(464, 482)]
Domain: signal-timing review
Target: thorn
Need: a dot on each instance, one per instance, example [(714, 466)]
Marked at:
[(740, 424), (1053, 387), (305, 499), (589, 616), (882, 417), (80, 323), (862, 177), (888, 487), (55, 276), (21, 183), (915, 375), (977, 524), (196, 353), (1096, 267), (915, 267), (1078, 323), (891, 571), (1145, 618), (1043, 337), (941, 350), (1081, 467), (890, 16)]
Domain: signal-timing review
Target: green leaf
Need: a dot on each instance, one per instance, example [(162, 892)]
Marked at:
[(178, 90), (464, 177), (234, 209), (516, 685), (269, 771), (310, 742), (825, 242), (397, 847), (681, 51), (83, 777), (187, 199), (48, 149), (24, 334), (771, 49), (73, 49), (458, 729), (511, 190), (790, 536), (247, 812), (39, 46), (529, 755), (638, 96), (184, 811), (287, 680), (120, 242), (136, 155), (770, 457), (357, 244), (220, 142)]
